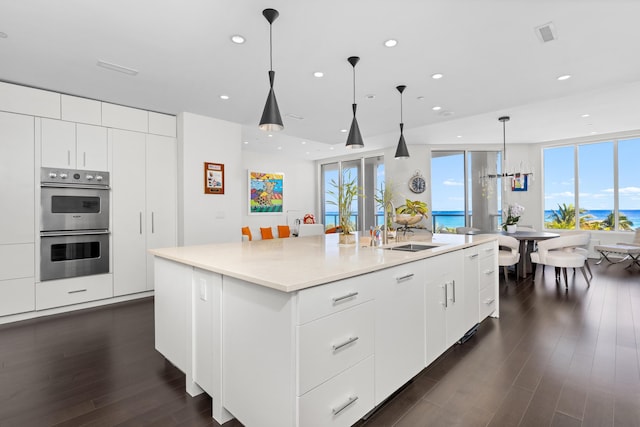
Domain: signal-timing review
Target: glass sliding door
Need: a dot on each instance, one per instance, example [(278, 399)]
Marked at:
[(330, 172), (447, 190)]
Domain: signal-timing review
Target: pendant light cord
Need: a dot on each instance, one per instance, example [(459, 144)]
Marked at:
[(400, 107), (270, 48), (504, 140), (354, 84)]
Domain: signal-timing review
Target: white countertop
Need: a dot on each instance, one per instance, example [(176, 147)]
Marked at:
[(297, 263)]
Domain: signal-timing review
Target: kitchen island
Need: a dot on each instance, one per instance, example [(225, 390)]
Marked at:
[(305, 331)]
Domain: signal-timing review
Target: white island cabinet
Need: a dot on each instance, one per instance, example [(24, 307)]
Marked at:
[(304, 332)]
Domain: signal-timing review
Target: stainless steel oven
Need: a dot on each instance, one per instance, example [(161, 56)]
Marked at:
[(73, 253), (74, 223), (74, 200)]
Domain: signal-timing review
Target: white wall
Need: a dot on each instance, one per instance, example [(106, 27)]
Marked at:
[(208, 218), (299, 193)]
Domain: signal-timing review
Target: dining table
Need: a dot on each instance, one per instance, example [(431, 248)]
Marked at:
[(527, 241)]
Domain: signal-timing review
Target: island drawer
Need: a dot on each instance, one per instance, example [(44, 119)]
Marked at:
[(320, 301), (487, 301), (487, 250), (342, 401), (332, 344), (487, 271)]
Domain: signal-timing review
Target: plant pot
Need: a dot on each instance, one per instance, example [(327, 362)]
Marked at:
[(511, 228), (347, 239)]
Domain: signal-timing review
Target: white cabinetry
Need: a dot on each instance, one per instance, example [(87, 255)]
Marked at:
[(17, 232), (73, 146), (488, 280), (444, 303), (399, 326), (144, 192)]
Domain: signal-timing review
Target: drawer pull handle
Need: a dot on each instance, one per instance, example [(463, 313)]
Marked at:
[(488, 249), (405, 277), (473, 256), (346, 343), (490, 301), (344, 297), (488, 272), (77, 291), (345, 405)]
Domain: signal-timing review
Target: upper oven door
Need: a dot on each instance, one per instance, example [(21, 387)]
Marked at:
[(72, 208)]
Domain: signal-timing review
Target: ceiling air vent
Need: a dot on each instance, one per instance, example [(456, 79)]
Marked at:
[(546, 32)]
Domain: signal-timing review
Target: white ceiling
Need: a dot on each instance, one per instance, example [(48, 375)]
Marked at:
[(493, 64)]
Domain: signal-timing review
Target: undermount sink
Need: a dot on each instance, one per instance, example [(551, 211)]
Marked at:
[(411, 247)]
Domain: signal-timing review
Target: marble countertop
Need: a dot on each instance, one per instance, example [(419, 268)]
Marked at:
[(297, 263)]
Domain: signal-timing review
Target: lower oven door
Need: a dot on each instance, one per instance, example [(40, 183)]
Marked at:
[(73, 254)]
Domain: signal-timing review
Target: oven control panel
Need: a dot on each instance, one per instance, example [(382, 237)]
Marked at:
[(74, 176)]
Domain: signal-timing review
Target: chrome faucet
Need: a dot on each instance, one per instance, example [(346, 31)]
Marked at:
[(385, 236)]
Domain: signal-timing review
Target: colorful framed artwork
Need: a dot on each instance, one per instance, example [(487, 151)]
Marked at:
[(266, 193), (519, 182), (213, 178)]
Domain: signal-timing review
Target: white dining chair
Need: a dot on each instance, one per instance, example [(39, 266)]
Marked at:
[(508, 254), (310, 230), (560, 252)]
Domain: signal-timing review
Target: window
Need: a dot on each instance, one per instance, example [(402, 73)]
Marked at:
[(599, 180), (368, 174)]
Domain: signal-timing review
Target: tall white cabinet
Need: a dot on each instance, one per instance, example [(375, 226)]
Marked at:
[(144, 209), (17, 232)]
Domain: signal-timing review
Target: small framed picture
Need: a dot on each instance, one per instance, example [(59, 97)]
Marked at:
[(519, 183), (213, 178)]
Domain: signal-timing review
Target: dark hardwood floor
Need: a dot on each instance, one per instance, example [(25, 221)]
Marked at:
[(555, 357)]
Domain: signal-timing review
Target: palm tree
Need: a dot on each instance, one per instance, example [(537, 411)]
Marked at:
[(609, 222), (565, 218)]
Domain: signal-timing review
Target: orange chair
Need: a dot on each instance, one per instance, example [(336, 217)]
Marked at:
[(283, 231), (246, 231), (266, 232)]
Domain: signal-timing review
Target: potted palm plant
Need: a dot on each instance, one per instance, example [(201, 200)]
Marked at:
[(343, 195)]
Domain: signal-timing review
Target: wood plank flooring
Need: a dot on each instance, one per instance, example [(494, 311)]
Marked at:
[(555, 357)]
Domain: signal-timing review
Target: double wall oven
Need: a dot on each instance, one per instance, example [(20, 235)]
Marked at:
[(74, 223)]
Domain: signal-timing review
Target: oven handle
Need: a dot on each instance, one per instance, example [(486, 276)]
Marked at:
[(72, 233), (85, 186)]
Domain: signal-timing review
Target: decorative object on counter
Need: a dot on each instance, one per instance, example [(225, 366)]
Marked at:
[(271, 120), (410, 214), (266, 193), (213, 178), (342, 195), (417, 183), (514, 211), (354, 140), (519, 174), (401, 152), (309, 219)]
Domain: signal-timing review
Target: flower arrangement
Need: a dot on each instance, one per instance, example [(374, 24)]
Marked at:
[(514, 212)]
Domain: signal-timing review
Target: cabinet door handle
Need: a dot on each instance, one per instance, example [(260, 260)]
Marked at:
[(84, 158), (488, 249), (454, 291), (347, 342), (153, 228), (345, 405), (446, 297), (488, 272), (344, 297), (69, 157), (77, 291), (490, 301), (405, 277), (473, 256), (140, 222)]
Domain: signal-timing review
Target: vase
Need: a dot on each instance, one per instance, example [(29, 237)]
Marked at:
[(346, 239), (511, 228)]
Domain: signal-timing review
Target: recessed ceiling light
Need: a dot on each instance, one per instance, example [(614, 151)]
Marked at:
[(593, 133), (446, 113), (564, 77), (294, 116), (318, 74), (279, 148), (436, 108), (307, 153), (343, 130), (437, 76), (303, 142), (370, 96), (246, 142), (331, 147), (3, 35), (270, 136), (238, 39), (459, 136), (116, 67), (420, 98), (390, 43), (584, 116), (225, 97)]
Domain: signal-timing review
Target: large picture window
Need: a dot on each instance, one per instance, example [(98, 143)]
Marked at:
[(592, 186)]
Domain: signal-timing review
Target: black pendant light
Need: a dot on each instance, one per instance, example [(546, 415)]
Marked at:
[(354, 140), (504, 119), (401, 151), (271, 120)]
